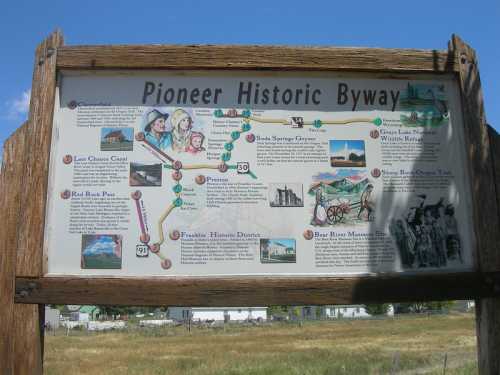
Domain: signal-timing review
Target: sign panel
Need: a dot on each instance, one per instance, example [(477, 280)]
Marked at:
[(215, 174)]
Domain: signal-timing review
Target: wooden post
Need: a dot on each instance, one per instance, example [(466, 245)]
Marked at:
[(10, 187), (488, 309), (23, 197), (484, 174)]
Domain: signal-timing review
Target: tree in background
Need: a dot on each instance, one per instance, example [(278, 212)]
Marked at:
[(420, 307), (377, 308)]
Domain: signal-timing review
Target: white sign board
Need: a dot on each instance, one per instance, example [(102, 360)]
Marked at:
[(210, 174)]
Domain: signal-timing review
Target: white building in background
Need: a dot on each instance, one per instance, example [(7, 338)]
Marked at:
[(277, 249), (329, 312), (223, 314), (350, 311), (52, 318), (465, 305)]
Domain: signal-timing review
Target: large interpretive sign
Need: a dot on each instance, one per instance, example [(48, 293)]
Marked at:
[(200, 174), (248, 175)]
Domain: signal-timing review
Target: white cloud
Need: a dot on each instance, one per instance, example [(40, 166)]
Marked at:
[(18, 108), (102, 245)]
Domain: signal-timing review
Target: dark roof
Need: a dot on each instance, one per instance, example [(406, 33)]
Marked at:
[(116, 133)]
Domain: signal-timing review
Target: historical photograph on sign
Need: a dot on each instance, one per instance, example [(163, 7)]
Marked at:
[(101, 251), (345, 153), (342, 197), (426, 235), (277, 250), (117, 139), (145, 174), (286, 195)]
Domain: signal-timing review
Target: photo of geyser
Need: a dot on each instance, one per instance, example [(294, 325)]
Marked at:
[(347, 153)]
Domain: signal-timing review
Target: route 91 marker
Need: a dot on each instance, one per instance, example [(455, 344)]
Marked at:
[(224, 176)]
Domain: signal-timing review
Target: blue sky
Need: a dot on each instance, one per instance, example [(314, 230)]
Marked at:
[(288, 242), (102, 244), (338, 174), (356, 146), (390, 24)]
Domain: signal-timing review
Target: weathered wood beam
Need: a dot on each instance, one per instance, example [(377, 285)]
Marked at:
[(192, 57), (241, 291)]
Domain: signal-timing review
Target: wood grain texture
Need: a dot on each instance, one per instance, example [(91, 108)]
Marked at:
[(243, 291), (21, 336), (488, 309), (35, 172), (495, 155), (27, 326), (28, 339), (485, 210), (488, 335), (10, 186), (254, 57), (26, 333)]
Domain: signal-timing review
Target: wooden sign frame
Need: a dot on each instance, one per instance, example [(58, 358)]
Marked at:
[(24, 184)]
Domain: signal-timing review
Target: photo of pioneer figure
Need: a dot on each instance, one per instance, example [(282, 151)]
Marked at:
[(427, 235), (184, 136), (342, 197), (157, 131), (172, 132)]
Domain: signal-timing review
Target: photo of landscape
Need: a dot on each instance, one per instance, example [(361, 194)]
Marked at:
[(101, 251)]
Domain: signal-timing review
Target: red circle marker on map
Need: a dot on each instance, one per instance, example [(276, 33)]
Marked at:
[(232, 113), (376, 172), (200, 179), (155, 248), (250, 138), (177, 164), (66, 194), (174, 235), (308, 234), (136, 195), (223, 167), (374, 134), (166, 264), (67, 159), (177, 175)]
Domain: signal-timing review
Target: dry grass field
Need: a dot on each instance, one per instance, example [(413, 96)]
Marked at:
[(408, 345)]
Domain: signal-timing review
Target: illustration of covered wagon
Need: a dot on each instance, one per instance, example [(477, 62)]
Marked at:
[(337, 208)]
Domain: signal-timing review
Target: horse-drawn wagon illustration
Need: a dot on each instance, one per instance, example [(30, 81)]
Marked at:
[(343, 200), (336, 211)]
